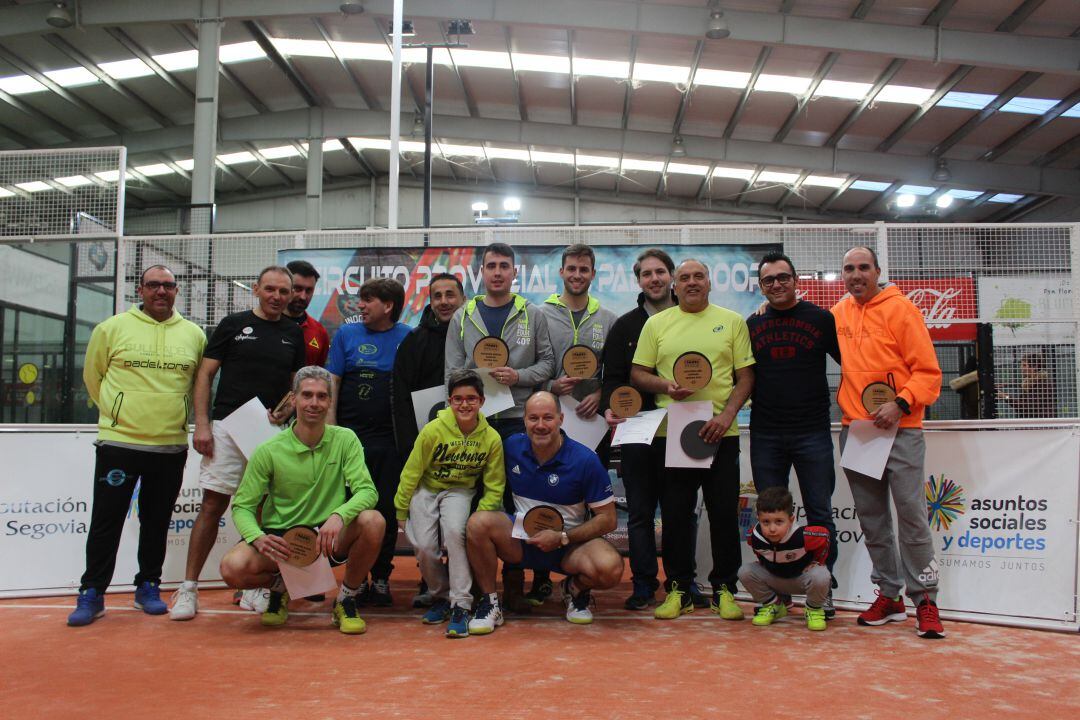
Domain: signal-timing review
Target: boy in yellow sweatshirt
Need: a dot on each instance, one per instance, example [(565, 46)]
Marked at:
[(455, 455)]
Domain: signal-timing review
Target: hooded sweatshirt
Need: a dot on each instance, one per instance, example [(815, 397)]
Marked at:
[(139, 373), (595, 324), (885, 340), (444, 457), (418, 365), (526, 335)]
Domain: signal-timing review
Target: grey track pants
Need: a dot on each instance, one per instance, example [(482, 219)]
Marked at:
[(814, 582), (436, 520), (912, 564)]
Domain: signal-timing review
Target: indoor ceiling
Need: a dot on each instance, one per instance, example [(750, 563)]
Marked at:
[(810, 109)]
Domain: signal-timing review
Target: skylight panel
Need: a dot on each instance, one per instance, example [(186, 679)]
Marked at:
[(126, 69), (362, 51), (1005, 198), (602, 68), (188, 165), (481, 58), (240, 52), (462, 150), (1073, 112), (74, 181), (236, 158), (965, 194), (20, 85), (687, 169), (904, 94), (4, 192), (370, 143), (597, 161), (413, 146), (733, 172), (72, 77), (824, 181), (34, 186), (661, 73), (184, 60), (154, 170), (782, 83), (279, 152), (331, 145), (870, 185), (1029, 106), (552, 157), (842, 89), (112, 175), (542, 63), (767, 176), (966, 101), (916, 189), (642, 165), (303, 48), (499, 153), (721, 78)]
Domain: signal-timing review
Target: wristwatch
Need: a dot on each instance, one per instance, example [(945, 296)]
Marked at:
[(565, 540), (903, 405)]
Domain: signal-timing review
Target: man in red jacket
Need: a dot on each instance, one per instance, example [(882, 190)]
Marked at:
[(316, 339), (890, 375)]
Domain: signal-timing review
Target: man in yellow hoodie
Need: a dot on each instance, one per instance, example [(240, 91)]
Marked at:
[(883, 339), (455, 455), (139, 370)]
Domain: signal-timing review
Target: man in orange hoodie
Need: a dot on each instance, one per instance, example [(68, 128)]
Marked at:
[(884, 342)]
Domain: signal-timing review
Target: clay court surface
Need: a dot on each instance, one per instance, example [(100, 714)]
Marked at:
[(625, 665)]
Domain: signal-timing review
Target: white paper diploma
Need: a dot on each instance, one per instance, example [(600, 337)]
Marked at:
[(640, 429), (497, 397), (519, 527), (424, 400), (249, 426), (587, 432), (315, 579), (681, 414), (867, 448)]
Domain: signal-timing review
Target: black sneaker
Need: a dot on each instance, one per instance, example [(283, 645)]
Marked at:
[(363, 594), (642, 598), (380, 593), (541, 590), (697, 597)]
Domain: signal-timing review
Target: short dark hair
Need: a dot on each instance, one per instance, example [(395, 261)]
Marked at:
[(868, 249), (303, 268), (775, 499), (388, 290), (275, 269), (447, 276), (654, 253), (579, 250), (777, 256), (166, 268), (499, 249), (464, 378)]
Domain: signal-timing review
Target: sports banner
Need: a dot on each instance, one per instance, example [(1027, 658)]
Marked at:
[(733, 269)]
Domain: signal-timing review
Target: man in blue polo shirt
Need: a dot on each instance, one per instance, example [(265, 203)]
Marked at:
[(544, 467)]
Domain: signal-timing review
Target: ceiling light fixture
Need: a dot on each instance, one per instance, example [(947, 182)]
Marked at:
[(678, 149), (512, 204), (407, 29), (59, 16), (944, 201), (905, 200), (460, 27), (941, 171), (352, 8), (717, 28)]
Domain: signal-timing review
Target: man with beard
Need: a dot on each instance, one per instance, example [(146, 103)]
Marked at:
[(316, 339)]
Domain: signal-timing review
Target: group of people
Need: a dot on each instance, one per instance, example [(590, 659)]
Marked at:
[(476, 489)]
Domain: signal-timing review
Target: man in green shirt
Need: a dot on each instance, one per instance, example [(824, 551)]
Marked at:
[(300, 477)]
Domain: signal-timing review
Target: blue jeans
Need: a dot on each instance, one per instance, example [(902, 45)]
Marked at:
[(771, 458)]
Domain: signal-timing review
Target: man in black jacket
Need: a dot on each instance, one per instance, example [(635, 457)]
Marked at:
[(642, 469), (419, 364)]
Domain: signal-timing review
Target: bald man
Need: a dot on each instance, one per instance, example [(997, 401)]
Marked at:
[(544, 467)]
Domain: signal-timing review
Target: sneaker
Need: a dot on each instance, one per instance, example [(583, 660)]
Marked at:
[(237, 596), (768, 614), (148, 599), (697, 597), (675, 604), (577, 606), (459, 623), (379, 595), (438, 613), (643, 597), (277, 610), (89, 606), (256, 600), (541, 591), (724, 605), (815, 618), (927, 622), (345, 616), (828, 607), (423, 597), (885, 609), (185, 603), (488, 617), (363, 594)]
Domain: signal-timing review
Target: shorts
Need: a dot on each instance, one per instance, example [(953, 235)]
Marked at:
[(533, 558), (222, 473), (334, 560)]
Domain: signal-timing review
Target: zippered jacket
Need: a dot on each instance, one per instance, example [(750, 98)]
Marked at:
[(595, 325), (139, 372)]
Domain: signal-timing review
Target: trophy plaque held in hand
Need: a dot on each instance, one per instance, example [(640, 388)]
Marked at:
[(692, 370), (303, 545), (625, 402), (540, 518), (491, 352), (877, 394)]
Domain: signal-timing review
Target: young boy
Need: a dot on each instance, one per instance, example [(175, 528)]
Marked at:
[(790, 561), (455, 454)]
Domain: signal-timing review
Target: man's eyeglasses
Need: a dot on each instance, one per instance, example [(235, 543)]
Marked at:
[(464, 399), (155, 285), (769, 280)]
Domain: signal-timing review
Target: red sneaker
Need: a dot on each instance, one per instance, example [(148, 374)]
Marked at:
[(884, 610), (928, 624)]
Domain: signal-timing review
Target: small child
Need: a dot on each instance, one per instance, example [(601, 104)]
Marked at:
[(455, 455), (790, 561)]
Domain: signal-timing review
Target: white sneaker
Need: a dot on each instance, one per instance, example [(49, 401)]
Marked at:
[(577, 606), (185, 603), (488, 617), (256, 600)]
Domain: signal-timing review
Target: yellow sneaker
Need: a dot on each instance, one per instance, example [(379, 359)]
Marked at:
[(277, 612), (675, 604), (768, 614), (815, 618), (346, 617), (724, 604)]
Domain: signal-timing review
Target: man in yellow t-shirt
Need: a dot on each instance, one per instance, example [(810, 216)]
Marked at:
[(721, 335)]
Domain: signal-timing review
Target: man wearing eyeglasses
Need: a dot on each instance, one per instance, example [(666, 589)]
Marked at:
[(139, 370), (789, 413)]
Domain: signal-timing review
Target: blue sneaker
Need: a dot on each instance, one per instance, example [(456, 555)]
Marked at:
[(88, 607), (459, 623), (437, 613), (148, 599)]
